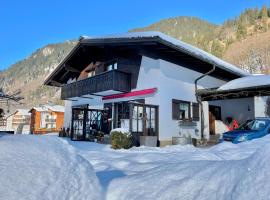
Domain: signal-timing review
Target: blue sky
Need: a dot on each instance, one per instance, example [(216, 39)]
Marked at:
[(30, 24)]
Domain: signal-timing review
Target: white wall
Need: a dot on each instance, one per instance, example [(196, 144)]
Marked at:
[(239, 109), (172, 82), (9, 123), (178, 83), (260, 106)]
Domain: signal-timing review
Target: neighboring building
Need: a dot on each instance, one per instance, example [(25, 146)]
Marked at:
[(240, 99), (3, 122), (19, 122), (47, 119), (144, 82)]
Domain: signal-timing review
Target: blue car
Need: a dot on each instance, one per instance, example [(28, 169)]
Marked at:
[(251, 129)]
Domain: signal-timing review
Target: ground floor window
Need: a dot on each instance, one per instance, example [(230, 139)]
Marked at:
[(184, 110), (180, 110)]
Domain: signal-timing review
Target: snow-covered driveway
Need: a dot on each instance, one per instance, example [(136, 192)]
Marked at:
[(48, 167), (225, 171)]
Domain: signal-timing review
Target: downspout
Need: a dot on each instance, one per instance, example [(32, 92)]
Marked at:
[(199, 99)]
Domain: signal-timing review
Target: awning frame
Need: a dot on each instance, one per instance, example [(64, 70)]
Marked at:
[(215, 94)]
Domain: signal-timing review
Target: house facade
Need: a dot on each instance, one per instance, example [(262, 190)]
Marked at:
[(19, 122), (144, 82), (46, 119)]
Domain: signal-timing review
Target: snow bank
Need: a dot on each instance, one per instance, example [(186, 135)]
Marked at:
[(246, 82), (48, 167), (35, 167), (200, 179)]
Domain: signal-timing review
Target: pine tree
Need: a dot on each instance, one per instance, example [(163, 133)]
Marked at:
[(264, 18), (241, 27)]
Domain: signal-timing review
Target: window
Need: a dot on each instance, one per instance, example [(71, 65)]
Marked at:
[(180, 110), (111, 66), (91, 73), (195, 112)]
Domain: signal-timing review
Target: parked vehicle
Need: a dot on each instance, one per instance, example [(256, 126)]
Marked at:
[(251, 129)]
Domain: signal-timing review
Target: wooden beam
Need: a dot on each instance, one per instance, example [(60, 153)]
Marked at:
[(72, 69), (55, 83)]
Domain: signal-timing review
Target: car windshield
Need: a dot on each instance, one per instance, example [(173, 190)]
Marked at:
[(256, 125)]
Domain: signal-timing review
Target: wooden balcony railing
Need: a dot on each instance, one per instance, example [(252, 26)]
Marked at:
[(112, 80)]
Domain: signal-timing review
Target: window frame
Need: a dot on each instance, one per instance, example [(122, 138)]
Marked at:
[(176, 113), (195, 113)]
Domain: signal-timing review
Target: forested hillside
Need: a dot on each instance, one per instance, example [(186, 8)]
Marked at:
[(243, 41)]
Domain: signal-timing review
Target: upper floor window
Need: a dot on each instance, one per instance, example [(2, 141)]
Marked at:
[(91, 73), (111, 66)]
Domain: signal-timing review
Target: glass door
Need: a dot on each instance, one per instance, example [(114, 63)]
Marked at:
[(144, 121)]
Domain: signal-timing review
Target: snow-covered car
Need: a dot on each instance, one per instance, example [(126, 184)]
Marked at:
[(251, 129)]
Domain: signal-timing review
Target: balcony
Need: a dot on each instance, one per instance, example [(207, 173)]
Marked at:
[(105, 83)]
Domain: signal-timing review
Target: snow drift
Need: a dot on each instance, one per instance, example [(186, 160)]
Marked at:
[(48, 167), (35, 167), (200, 179)]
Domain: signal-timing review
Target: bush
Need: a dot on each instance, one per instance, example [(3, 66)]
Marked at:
[(120, 139)]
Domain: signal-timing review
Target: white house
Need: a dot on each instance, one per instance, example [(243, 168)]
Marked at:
[(19, 122), (144, 82)]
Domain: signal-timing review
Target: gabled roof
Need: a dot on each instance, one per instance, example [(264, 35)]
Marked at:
[(148, 41), (55, 108), (23, 112), (180, 45), (46, 108)]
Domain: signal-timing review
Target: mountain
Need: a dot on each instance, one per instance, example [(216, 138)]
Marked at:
[(192, 30), (242, 41), (28, 75)]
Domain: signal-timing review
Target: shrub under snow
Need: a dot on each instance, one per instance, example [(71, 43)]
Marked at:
[(121, 139)]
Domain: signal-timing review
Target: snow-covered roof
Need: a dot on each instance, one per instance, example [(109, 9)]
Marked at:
[(56, 108), (246, 82), (23, 112), (39, 109), (45, 108), (180, 45)]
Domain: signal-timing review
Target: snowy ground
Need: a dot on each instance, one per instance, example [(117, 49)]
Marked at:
[(225, 171)]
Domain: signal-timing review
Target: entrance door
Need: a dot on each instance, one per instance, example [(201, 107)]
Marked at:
[(214, 114), (144, 121), (87, 122)]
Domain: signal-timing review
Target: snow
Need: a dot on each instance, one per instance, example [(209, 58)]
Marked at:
[(224, 171), (45, 108), (23, 112), (246, 82), (122, 130), (180, 45), (44, 167)]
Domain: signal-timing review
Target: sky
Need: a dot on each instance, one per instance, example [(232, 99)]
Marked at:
[(28, 25)]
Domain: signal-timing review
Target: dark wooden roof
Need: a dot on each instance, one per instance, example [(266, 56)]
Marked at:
[(88, 50)]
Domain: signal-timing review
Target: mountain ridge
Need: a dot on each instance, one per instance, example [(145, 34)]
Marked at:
[(224, 41)]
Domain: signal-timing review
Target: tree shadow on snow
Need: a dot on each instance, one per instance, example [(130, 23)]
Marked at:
[(105, 177)]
